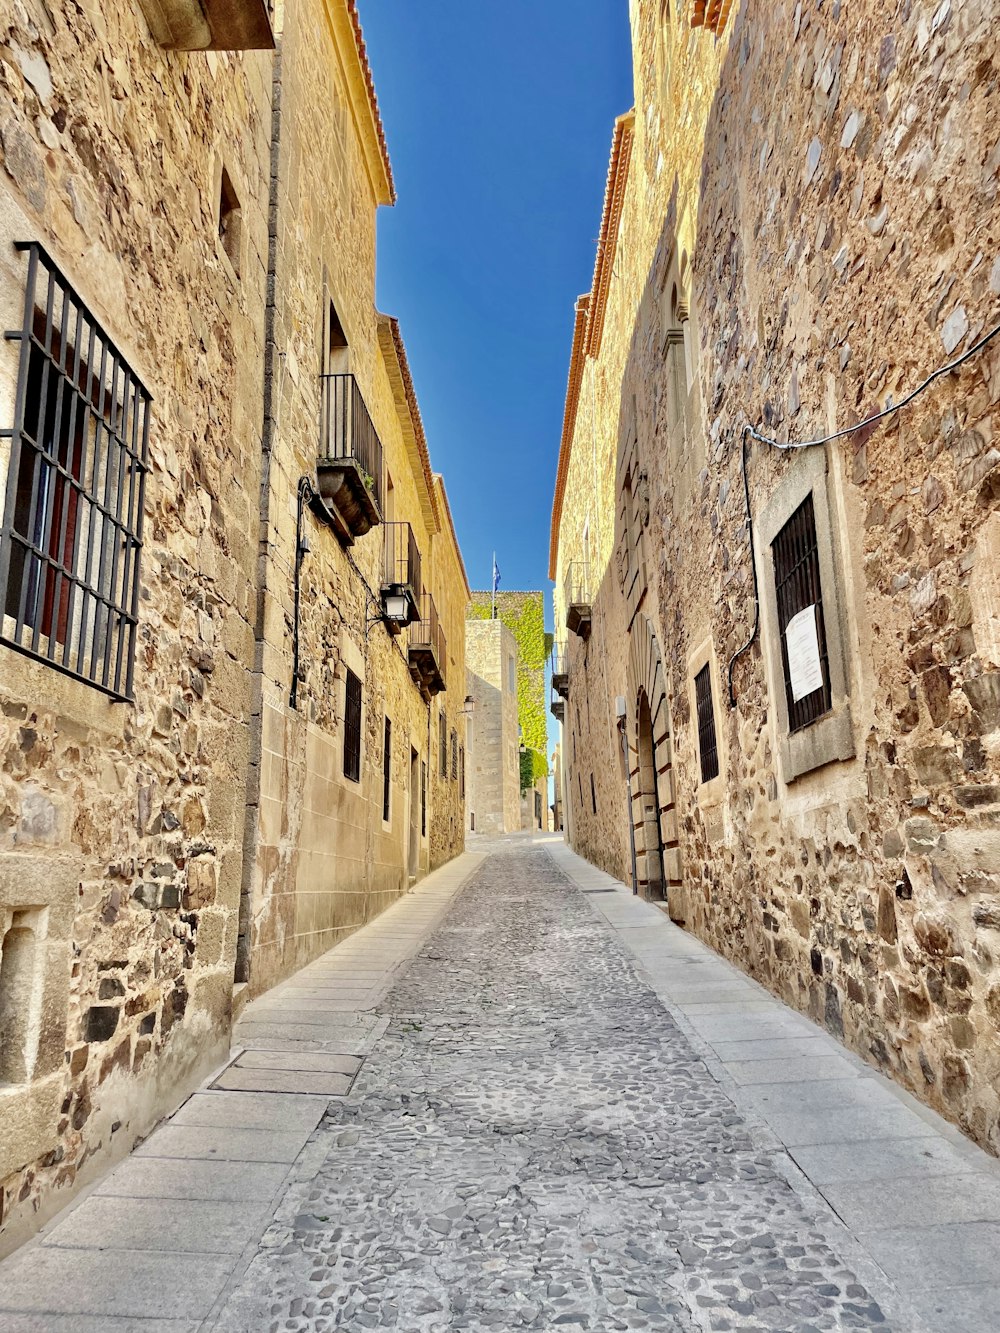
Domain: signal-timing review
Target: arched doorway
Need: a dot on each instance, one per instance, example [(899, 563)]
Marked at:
[(651, 881), (654, 817)]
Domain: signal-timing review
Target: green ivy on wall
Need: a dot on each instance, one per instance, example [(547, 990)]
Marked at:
[(524, 615)]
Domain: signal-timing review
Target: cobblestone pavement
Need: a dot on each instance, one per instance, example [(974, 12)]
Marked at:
[(534, 1144)]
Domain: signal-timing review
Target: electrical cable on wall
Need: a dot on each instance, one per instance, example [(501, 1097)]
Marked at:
[(751, 433)]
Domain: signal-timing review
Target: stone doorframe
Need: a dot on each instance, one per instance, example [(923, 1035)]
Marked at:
[(654, 817)]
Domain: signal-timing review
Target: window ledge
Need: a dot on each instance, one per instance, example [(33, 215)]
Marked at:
[(210, 25), (711, 793), (826, 741)]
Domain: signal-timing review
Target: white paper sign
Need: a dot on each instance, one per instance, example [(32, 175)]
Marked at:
[(805, 670)]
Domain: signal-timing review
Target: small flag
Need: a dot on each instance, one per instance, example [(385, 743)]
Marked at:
[(496, 574)]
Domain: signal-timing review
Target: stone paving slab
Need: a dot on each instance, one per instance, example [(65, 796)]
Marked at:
[(247, 1111), (177, 1142), (75, 1323), (237, 1078), (134, 1283), (161, 1178), (194, 1225)]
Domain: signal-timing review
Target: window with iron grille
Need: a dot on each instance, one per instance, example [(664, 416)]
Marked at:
[(461, 771), (352, 728), (423, 800), (708, 748), (387, 770), (443, 744), (797, 590), (72, 525), (454, 756)]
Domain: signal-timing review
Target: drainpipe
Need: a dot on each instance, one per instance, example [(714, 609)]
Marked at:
[(272, 393)]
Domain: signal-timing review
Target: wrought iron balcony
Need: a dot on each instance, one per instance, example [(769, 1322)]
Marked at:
[(576, 598), (401, 582), (557, 706), (560, 670), (349, 467), (428, 650)]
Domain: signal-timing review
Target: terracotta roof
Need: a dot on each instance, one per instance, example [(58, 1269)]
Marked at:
[(439, 483), (711, 14), (366, 70), (576, 360), (392, 340), (614, 196), (589, 326)]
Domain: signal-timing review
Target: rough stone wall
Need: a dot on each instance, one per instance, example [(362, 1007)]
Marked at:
[(831, 174), (326, 861), (449, 797), (121, 823), (494, 770)]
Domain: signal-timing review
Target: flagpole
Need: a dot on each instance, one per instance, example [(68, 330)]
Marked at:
[(493, 606)]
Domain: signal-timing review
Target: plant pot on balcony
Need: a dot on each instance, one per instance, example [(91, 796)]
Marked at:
[(347, 488)]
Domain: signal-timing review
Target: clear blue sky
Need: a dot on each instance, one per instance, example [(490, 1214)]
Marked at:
[(499, 121)]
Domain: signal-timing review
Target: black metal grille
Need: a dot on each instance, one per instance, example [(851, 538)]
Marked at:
[(708, 748), (347, 430), (72, 526), (402, 558), (461, 771), (454, 756), (797, 587), (423, 800), (352, 728), (443, 744), (387, 770)]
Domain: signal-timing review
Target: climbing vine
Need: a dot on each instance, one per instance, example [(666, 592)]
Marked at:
[(524, 615)]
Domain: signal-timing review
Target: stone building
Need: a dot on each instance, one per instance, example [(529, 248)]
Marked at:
[(218, 752), (494, 782), (524, 615), (782, 674), (357, 736), (133, 249)]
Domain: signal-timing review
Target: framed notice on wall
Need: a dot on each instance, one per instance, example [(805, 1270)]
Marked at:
[(805, 669)]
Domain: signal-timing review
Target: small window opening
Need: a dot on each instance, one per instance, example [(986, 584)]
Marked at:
[(17, 983), (352, 728), (230, 221), (804, 656), (593, 795), (707, 745), (443, 744), (423, 799), (454, 756), (337, 350), (387, 771)]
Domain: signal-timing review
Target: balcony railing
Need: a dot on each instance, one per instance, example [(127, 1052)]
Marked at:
[(401, 571), (428, 648), (350, 455), (557, 705), (560, 670), (576, 598)]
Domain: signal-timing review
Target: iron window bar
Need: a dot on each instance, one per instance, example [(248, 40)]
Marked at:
[(347, 430), (797, 587), (352, 728), (708, 748), (387, 771), (72, 528)]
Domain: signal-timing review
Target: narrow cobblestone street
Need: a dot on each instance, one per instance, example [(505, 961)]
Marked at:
[(545, 1133), (534, 1144)]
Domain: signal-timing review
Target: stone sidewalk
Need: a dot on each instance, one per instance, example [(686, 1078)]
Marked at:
[(563, 1113)]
